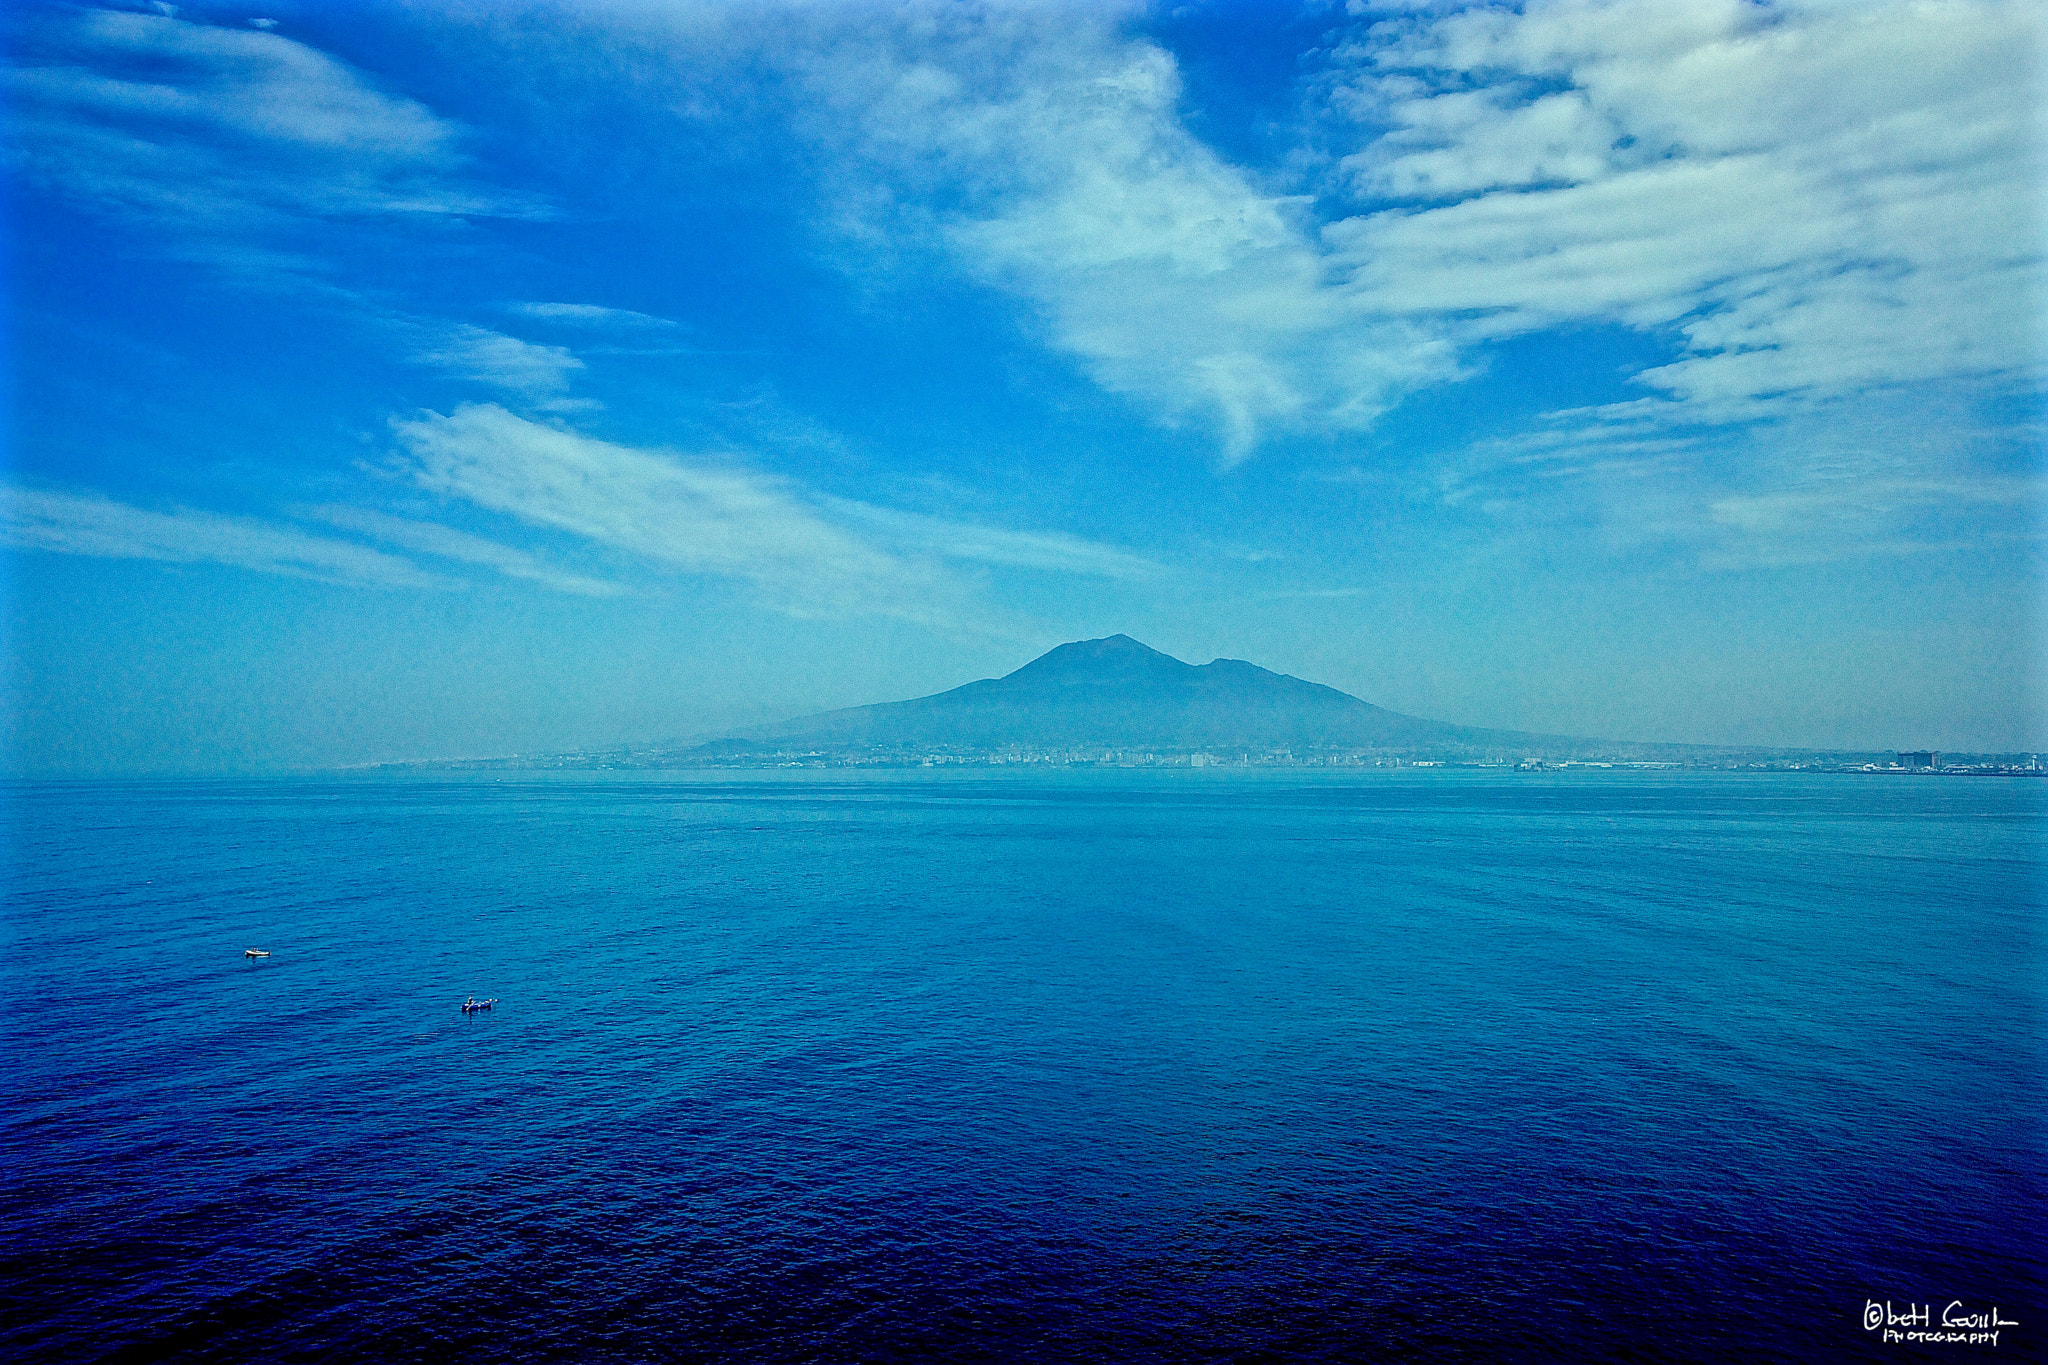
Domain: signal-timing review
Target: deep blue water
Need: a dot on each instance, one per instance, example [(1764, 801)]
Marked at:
[(1036, 1066)]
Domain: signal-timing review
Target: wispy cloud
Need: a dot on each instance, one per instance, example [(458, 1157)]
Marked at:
[(1043, 152), (707, 519), (89, 524), (467, 351), (807, 554), (594, 317), (221, 136), (1809, 520), (1817, 199), (1809, 204), (443, 542), (911, 532), (243, 149), (1811, 201), (1896, 472)]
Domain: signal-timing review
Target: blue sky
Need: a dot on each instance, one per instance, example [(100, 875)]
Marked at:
[(403, 380)]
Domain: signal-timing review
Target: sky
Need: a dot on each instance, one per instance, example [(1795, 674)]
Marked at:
[(392, 381)]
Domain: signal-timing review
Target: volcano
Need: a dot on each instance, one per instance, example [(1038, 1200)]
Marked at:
[(1118, 693)]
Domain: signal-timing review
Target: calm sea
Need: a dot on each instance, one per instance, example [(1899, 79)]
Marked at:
[(1029, 1066)]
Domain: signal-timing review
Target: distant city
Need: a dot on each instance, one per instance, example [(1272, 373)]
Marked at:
[(1900, 762)]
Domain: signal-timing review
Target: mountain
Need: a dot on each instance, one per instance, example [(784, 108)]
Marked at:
[(1117, 693)]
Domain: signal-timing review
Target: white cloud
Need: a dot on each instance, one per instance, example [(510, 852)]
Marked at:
[(89, 524), (1811, 200), (477, 353), (593, 316), (1801, 508), (1819, 200), (712, 520), (1045, 154), (241, 148), (808, 555), (911, 532), (1896, 473), (1811, 203), (225, 135), (444, 542)]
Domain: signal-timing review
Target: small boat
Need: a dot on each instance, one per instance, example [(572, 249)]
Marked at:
[(472, 1005), (255, 952)]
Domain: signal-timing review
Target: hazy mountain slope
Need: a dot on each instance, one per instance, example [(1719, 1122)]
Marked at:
[(1121, 694)]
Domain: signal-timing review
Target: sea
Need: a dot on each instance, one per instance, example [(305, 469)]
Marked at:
[(1025, 1065)]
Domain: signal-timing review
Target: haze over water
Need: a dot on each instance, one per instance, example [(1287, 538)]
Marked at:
[(1061, 1065)]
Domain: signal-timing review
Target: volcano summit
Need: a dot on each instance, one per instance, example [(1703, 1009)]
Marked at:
[(1118, 693)]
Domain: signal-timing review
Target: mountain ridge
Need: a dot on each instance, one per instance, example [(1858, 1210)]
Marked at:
[(1117, 692)]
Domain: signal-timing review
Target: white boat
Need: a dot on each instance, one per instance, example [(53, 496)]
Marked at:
[(255, 952), (472, 1005)]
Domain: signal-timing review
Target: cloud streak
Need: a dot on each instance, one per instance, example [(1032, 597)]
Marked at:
[(530, 369), (593, 317), (807, 555), (92, 525), (222, 134), (915, 533), (442, 542), (244, 149)]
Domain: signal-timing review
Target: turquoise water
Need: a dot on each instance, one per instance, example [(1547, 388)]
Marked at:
[(1041, 1065)]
